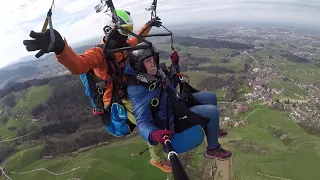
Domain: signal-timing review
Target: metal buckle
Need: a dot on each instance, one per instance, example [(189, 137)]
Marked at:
[(154, 102)]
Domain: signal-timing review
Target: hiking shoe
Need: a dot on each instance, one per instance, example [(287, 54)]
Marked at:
[(222, 133), (218, 153), (163, 165)]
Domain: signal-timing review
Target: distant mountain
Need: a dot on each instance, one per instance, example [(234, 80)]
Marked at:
[(23, 59), (44, 67), (211, 43)]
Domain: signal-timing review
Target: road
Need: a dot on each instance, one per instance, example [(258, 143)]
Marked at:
[(4, 173), (273, 177), (251, 113), (43, 169), (8, 140), (254, 59)]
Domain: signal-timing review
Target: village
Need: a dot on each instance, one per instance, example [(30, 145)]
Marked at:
[(304, 109)]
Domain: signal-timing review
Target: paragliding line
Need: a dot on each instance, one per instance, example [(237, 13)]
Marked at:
[(45, 25)]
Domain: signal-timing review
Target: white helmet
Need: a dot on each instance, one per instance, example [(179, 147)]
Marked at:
[(125, 21)]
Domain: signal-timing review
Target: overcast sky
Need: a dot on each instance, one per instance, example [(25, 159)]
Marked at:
[(76, 20)]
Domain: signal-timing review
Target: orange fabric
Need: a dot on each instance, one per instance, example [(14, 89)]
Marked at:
[(93, 58), (163, 165)]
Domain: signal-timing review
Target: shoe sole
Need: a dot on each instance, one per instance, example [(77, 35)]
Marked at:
[(213, 157), (167, 171)]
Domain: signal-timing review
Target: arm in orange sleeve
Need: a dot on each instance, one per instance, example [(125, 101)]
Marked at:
[(134, 41), (79, 64)]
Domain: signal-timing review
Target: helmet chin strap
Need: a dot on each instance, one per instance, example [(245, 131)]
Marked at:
[(163, 76), (146, 78)]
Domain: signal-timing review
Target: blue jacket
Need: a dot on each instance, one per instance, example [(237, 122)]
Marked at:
[(141, 97)]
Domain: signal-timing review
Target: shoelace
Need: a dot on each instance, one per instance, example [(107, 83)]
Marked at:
[(219, 150)]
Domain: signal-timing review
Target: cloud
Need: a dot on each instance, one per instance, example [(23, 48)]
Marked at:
[(76, 20)]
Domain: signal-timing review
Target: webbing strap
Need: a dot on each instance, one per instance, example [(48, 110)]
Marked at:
[(154, 109)]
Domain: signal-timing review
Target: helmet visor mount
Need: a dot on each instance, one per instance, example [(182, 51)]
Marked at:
[(127, 27)]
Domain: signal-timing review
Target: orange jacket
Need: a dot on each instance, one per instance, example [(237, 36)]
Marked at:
[(93, 58)]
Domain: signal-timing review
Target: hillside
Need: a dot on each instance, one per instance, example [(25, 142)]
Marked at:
[(112, 161), (272, 144)]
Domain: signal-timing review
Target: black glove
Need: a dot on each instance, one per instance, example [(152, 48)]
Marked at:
[(42, 41), (155, 22)]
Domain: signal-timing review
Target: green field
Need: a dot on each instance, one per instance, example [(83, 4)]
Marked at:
[(290, 90), (195, 77), (33, 96), (306, 73), (261, 154), (191, 49), (26, 101), (109, 162), (219, 93)]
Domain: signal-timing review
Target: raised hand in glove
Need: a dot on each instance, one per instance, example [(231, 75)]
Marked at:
[(174, 57), (157, 135), (155, 22), (42, 41)]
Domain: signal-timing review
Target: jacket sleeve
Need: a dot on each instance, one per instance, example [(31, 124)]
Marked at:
[(79, 64), (134, 41), (140, 98), (178, 68)]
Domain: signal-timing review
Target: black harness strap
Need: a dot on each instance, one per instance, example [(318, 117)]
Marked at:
[(183, 117), (186, 91), (154, 109), (97, 96)]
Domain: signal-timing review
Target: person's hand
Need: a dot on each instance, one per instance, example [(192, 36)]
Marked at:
[(155, 22), (157, 135), (174, 57), (41, 41)]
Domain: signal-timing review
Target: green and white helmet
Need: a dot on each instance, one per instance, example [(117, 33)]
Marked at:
[(124, 18)]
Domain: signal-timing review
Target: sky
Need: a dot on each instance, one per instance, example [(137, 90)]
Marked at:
[(76, 20)]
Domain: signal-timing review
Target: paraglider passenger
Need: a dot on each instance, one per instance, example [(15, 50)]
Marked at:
[(153, 125)]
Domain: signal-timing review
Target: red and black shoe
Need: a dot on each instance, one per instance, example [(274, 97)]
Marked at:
[(219, 153), (222, 133)]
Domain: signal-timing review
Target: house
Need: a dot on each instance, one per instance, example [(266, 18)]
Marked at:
[(270, 103), (242, 108)]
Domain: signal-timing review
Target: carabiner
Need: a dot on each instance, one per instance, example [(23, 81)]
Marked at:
[(154, 102), (100, 91), (152, 86)]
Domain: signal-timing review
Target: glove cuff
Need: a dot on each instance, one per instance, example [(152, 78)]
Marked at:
[(59, 49), (59, 45)]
